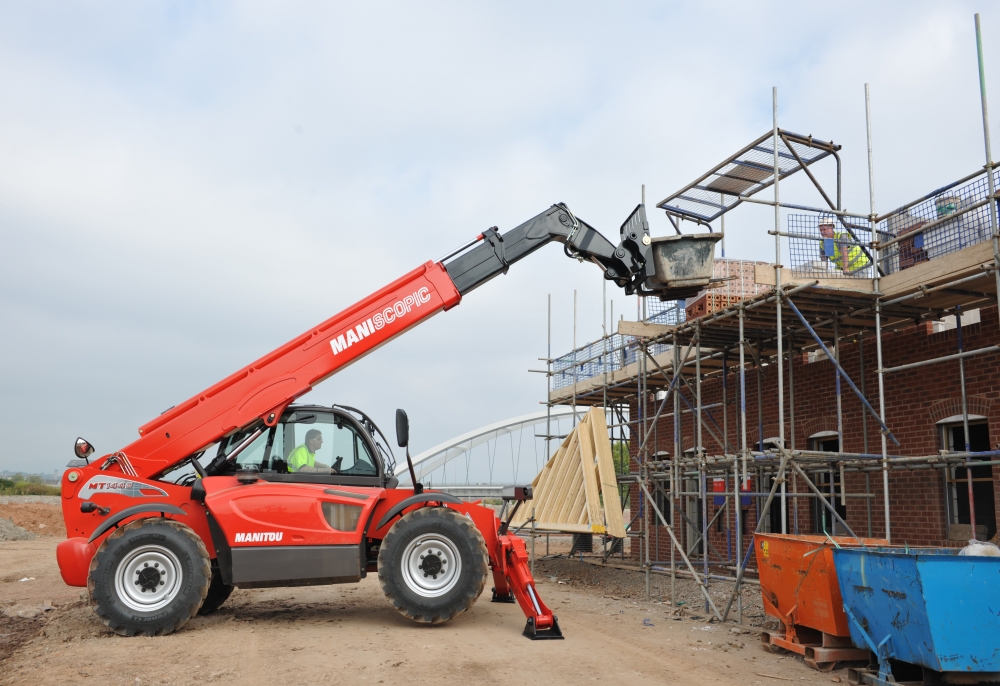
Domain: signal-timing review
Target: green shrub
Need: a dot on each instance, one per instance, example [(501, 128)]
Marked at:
[(21, 487)]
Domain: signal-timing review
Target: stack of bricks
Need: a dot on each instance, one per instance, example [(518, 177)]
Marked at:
[(739, 286)]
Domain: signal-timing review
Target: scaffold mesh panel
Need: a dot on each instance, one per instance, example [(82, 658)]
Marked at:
[(841, 250), (955, 218), (614, 352)]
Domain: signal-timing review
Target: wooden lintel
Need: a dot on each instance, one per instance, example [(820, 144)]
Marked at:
[(763, 274), (643, 330)]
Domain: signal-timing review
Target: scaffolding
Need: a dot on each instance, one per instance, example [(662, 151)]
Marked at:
[(852, 278)]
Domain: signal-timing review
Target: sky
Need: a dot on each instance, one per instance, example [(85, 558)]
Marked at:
[(185, 186)]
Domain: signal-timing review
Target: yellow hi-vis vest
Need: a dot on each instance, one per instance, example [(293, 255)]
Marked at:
[(856, 257), (301, 457)]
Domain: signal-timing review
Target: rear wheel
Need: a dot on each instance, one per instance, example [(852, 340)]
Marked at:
[(149, 577), (433, 565)]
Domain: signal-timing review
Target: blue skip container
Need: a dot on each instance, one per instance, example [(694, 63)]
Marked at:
[(929, 606)]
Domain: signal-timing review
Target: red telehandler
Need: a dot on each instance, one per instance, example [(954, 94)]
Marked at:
[(237, 486)]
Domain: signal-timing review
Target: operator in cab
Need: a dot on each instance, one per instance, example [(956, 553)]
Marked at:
[(303, 458)]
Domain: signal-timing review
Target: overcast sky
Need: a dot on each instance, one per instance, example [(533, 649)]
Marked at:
[(186, 186)]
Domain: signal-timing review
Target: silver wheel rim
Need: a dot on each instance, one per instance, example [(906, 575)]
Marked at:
[(431, 565), (148, 579)]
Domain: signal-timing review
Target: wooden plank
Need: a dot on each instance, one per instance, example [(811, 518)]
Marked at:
[(543, 500), (554, 499), (607, 476), (643, 330), (591, 489), (945, 268), (763, 274), (539, 486), (569, 490)]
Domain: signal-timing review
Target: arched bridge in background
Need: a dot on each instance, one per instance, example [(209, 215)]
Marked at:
[(479, 463)]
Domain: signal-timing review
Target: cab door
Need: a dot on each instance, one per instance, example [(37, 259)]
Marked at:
[(291, 533)]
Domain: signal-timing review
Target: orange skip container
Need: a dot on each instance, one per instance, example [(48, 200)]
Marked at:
[(798, 584)]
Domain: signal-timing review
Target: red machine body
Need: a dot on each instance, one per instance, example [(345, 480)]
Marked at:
[(266, 514), (135, 526)]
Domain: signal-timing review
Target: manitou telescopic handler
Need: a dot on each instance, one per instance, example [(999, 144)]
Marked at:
[(157, 536)]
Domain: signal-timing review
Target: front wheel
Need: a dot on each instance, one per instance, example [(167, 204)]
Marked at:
[(149, 577), (433, 565)]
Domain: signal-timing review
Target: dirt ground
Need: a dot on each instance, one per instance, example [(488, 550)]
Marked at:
[(350, 635)]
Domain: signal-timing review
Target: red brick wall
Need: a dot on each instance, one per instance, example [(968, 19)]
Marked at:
[(915, 401)]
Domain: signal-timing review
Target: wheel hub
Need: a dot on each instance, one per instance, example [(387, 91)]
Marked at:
[(431, 565), (148, 578)]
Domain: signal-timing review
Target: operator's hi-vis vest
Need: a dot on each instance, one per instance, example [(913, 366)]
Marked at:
[(301, 457)]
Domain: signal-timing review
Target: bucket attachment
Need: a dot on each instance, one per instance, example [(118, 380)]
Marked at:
[(553, 632), (685, 261)]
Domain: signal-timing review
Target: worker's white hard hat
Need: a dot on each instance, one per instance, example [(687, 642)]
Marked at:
[(826, 221)]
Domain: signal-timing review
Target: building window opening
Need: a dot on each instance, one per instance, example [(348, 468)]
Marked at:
[(953, 440), (828, 482)]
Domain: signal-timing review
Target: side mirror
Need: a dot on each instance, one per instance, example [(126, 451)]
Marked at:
[(83, 449), (402, 428)]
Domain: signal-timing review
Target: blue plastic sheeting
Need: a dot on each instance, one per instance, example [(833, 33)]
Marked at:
[(939, 609)]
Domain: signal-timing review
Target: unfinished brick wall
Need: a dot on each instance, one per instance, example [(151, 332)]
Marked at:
[(915, 401)]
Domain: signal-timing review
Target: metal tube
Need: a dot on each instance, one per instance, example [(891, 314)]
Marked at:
[(947, 358), (785, 459), (737, 483), (548, 390), (840, 369), (674, 488), (777, 304), (989, 158), (932, 194), (700, 450), (807, 208), (878, 317), (760, 404), (673, 539), (965, 421), (532, 541), (725, 403), (840, 408), (924, 291), (791, 421), (864, 430)]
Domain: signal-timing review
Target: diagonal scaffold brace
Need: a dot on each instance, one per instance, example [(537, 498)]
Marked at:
[(786, 461), (677, 545), (840, 370)]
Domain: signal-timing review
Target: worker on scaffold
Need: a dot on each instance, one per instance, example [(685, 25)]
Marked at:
[(846, 254)]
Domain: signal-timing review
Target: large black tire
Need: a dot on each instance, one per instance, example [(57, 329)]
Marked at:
[(218, 593), (149, 577), (433, 565)]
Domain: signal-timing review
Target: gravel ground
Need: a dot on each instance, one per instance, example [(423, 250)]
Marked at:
[(622, 584), (9, 531), (18, 499)]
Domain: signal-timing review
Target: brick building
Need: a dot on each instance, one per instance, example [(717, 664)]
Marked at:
[(928, 505)]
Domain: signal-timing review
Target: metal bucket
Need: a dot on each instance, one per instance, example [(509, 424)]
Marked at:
[(686, 260), (930, 607)]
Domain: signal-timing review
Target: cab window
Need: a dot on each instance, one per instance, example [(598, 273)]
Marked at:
[(309, 443)]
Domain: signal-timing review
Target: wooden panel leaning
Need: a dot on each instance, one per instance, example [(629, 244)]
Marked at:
[(577, 491)]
